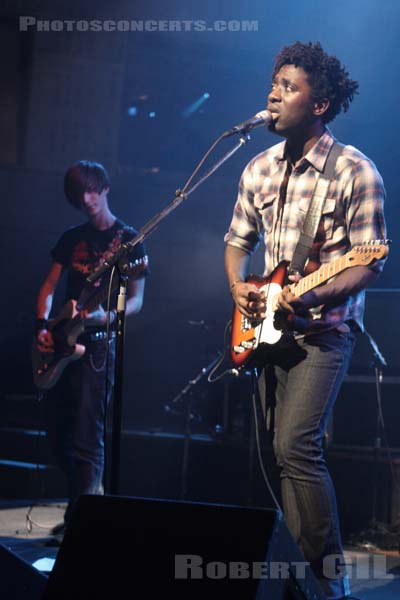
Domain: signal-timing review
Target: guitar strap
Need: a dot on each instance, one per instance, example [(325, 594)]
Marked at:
[(315, 209)]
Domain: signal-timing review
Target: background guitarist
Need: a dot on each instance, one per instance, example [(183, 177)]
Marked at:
[(75, 406), (306, 367)]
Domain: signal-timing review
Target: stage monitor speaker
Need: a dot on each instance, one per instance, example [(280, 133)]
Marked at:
[(18, 579), (127, 547)]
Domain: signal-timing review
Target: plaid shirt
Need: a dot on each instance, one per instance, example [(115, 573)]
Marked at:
[(352, 213)]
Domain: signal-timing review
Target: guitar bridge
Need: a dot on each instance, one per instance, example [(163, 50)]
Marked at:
[(246, 324)]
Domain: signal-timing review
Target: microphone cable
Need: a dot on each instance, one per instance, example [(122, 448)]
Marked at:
[(258, 442), (200, 164), (235, 372)]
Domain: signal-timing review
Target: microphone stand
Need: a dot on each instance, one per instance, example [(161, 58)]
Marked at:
[(122, 255), (118, 378), (378, 363)]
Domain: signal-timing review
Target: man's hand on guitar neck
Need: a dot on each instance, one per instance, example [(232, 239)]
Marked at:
[(287, 302), (96, 317)]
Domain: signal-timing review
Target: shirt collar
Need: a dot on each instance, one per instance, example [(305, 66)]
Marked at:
[(318, 154)]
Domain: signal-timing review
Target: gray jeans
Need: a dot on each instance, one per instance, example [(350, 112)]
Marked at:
[(298, 388)]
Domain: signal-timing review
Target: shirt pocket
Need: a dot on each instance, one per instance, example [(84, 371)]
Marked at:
[(265, 206), (328, 218)]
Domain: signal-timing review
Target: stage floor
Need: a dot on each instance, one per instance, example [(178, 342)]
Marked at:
[(25, 528)]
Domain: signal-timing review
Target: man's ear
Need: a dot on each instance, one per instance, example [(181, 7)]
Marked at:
[(321, 107)]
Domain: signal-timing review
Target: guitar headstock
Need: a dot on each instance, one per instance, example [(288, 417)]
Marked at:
[(135, 267), (364, 254), (96, 293)]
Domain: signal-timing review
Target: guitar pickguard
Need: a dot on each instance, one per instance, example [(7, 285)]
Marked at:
[(266, 332)]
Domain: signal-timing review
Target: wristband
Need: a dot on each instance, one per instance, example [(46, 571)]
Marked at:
[(40, 324)]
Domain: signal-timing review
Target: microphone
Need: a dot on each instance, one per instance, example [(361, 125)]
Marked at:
[(263, 117)]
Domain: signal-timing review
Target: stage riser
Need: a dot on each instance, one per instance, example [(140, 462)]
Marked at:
[(217, 471), (152, 466), (26, 480), (24, 445), (223, 472), (356, 411)]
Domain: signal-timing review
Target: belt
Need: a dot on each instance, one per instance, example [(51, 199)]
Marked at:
[(96, 336)]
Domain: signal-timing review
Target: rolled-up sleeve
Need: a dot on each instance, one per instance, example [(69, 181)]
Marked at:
[(245, 230), (365, 213)]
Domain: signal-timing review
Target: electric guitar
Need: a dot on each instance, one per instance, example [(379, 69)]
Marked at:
[(67, 327), (247, 336)]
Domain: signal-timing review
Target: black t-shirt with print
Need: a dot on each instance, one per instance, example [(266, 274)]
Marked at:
[(82, 249)]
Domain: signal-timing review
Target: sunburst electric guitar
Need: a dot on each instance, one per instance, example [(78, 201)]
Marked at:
[(247, 336), (66, 328)]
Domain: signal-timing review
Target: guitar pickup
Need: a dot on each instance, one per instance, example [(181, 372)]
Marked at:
[(248, 344), (244, 345), (246, 324)]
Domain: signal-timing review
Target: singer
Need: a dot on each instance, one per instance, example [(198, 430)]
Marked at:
[(305, 369)]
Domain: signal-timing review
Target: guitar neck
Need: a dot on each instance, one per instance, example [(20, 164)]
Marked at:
[(98, 297), (321, 275), (92, 302), (91, 297)]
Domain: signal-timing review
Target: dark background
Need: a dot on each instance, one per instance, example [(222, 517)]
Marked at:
[(65, 96)]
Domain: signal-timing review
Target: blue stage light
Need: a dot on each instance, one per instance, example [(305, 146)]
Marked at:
[(194, 107)]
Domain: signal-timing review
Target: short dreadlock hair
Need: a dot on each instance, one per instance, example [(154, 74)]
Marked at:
[(326, 75), (84, 176)]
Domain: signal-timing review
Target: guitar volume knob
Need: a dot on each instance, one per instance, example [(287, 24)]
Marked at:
[(238, 349)]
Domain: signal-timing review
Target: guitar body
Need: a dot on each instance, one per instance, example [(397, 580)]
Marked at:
[(246, 335), (48, 367), (67, 327)]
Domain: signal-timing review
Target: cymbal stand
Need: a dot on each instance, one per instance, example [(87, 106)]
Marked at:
[(378, 362), (186, 395)]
